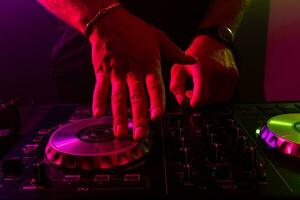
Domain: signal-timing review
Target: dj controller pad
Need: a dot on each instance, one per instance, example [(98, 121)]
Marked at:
[(230, 151)]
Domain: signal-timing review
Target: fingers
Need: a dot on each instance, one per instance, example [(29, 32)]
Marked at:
[(199, 96), (216, 85), (139, 103), (173, 53), (100, 94), (119, 104), (177, 83), (156, 90)]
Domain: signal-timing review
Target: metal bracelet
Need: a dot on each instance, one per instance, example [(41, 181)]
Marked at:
[(102, 12)]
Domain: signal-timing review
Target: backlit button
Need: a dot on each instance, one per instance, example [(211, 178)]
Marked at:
[(45, 131), (102, 178), (29, 148), (71, 178), (132, 177), (37, 139)]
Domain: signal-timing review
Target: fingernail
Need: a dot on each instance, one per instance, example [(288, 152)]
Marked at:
[(180, 99), (120, 131), (155, 113), (139, 133), (98, 112)]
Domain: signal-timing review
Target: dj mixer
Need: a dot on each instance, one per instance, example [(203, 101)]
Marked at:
[(230, 151)]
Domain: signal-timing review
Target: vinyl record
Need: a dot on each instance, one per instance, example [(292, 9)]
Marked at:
[(90, 144), (283, 133)]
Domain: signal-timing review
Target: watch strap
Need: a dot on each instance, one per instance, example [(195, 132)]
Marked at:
[(219, 33)]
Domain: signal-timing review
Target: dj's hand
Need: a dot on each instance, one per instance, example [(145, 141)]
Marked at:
[(127, 52), (214, 76)]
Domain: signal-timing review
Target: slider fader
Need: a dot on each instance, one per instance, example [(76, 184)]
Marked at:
[(218, 151)]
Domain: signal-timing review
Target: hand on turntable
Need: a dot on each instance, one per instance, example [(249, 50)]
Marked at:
[(127, 51), (214, 76)]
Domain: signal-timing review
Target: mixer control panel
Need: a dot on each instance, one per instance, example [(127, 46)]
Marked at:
[(227, 151)]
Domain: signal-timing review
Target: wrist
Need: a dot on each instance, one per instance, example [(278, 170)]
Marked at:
[(109, 24), (87, 14), (222, 34), (100, 14), (203, 44), (206, 42)]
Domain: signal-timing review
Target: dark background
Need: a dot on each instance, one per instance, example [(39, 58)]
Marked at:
[(28, 33)]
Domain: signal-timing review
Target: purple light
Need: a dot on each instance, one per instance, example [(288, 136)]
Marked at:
[(264, 132), (269, 137)]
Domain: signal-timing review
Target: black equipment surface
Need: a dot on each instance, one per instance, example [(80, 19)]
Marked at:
[(10, 123), (212, 152)]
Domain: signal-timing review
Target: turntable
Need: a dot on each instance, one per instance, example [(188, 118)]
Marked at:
[(89, 144), (212, 152), (282, 132)]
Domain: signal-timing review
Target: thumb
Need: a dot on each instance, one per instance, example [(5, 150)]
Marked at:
[(173, 53)]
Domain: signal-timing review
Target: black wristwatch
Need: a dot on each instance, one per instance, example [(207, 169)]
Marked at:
[(221, 33)]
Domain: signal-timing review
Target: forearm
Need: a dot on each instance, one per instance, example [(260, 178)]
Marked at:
[(76, 12), (225, 12)]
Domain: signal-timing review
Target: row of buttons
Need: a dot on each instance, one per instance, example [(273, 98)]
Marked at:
[(103, 178)]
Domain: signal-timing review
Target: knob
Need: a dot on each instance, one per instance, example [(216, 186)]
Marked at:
[(261, 172), (211, 137), (232, 123), (186, 155), (176, 132), (183, 156), (242, 142), (249, 158), (207, 128), (187, 171), (39, 173), (236, 133), (183, 141), (215, 152), (179, 123), (181, 131)]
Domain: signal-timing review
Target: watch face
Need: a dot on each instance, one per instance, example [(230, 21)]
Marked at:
[(226, 34)]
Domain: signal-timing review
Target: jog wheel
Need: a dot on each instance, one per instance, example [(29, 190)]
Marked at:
[(90, 144), (282, 132)]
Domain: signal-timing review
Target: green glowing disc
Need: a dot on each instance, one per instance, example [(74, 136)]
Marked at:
[(286, 126)]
